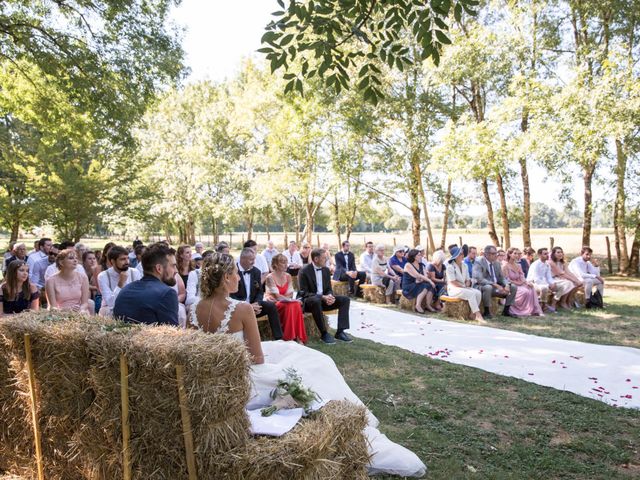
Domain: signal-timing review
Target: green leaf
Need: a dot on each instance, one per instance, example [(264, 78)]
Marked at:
[(442, 37), (286, 39), (457, 12)]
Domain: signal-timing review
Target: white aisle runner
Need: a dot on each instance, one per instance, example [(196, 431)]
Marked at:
[(607, 373)]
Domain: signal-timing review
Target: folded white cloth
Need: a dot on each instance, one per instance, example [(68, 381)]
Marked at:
[(274, 425)]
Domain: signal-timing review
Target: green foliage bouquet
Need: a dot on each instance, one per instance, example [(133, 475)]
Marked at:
[(290, 393)]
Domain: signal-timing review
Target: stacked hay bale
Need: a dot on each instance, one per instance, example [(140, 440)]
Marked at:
[(373, 293), (60, 360), (340, 288)]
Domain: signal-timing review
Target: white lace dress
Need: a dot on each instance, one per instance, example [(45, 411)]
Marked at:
[(319, 372)]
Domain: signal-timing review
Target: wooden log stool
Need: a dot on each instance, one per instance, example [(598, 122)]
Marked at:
[(455, 307), (373, 293), (340, 288)]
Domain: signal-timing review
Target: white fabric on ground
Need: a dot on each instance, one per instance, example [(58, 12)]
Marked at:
[(319, 372), (274, 425), (607, 373)]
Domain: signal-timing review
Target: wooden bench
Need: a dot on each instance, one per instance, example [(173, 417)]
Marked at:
[(373, 293), (340, 288)]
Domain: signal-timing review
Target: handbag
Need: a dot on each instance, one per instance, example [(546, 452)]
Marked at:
[(596, 300)]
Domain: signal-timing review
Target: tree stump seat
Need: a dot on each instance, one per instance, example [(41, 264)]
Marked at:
[(340, 288), (373, 293)]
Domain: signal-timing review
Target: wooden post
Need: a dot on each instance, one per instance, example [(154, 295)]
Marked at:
[(186, 424), (394, 241), (460, 239), (230, 239), (34, 412), (551, 243), (126, 428), (609, 254), (318, 238), (501, 241)]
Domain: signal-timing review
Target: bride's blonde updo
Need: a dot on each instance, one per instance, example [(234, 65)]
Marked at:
[(214, 268)]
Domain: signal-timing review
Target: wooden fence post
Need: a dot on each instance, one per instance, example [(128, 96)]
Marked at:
[(551, 241), (460, 238), (318, 238), (394, 241), (34, 412), (187, 431), (609, 254), (126, 428)]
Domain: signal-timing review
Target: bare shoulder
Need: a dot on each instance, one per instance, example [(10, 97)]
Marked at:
[(244, 308)]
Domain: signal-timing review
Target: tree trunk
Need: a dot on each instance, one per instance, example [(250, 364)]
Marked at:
[(504, 213), (526, 203), (267, 221), (191, 232), (588, 172), (415, 224), (491, 226), (310, 220), (634, 258), (15, 230), (336, 218), (620, 212), (415, 183), (215, 230), (445, 217), (427, 222)]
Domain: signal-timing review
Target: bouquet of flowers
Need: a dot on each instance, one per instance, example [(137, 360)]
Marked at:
[(290, 393)]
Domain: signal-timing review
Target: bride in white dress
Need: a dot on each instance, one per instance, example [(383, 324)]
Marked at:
[(217, 313)]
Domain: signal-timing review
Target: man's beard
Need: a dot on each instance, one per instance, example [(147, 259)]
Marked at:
[(171, 281), (123, 269)]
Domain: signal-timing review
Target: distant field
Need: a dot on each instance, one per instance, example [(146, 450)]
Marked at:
[(570, 239)]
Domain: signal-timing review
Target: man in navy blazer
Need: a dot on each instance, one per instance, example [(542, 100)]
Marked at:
[(317, 295), (346, 270), (151, 299), (250, 291)]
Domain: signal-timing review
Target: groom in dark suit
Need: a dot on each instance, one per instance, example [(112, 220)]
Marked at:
[(346, 270), (250, 291), (315, 291)]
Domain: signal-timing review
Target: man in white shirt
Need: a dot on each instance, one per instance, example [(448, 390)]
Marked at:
[(44, 245), (540, 275), (366, 260), (293, 258), (582, 268), (269, 252), (113, 280), (260, 262)]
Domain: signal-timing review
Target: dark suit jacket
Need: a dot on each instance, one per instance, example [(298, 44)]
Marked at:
[(344, 263), (308, 284), (256, 287), (147, 300)]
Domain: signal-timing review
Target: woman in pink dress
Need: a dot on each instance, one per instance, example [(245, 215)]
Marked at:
[(526, 301), (68, 289), (278, 289)]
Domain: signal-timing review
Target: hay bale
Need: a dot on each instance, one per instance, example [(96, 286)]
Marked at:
[(217, 386), (455, 307), (329, 445), (373, 293), (264, 328), (340, 288), (60, 360), (407, 304)]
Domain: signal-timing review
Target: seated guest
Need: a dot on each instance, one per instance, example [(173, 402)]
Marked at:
[(562, 275), (183, 262), (151, 299), (487, 274), (317, 296), (583, 268), (346, 270), (269, 252), (90, 265), (138, 252), (397, 262), (36, 244), (279, 289), (380, 277), (366, 260), (134, 260), (330, 263), (540, 275), (44, 245), (80, 248), (19, 252), (436, 272), (250, 291), (193, 282), (415, 282), (260, 263), (53, 268), (68, 289), (41, 266), (113, 280), (293, 258), (196, 261), (459, 283), (470, 259), (17, 294), (199, 248), (526, 301), (527, 257), (305, 251), (424, 260), (501, 257), (222, 247), (181, 291), (7, 255)]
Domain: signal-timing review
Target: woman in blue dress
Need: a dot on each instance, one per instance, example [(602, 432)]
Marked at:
[(414, 281), (436, 272), (17, 294)]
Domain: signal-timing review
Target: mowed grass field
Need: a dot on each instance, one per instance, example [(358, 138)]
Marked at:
[(465, 423)]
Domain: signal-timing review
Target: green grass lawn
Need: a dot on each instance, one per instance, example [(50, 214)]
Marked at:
[(467, 423)]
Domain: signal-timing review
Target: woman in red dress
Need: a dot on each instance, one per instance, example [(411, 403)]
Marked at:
[(278, 289)]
